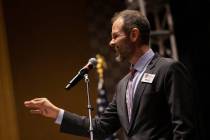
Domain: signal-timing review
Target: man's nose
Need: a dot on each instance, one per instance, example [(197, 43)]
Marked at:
[(111, 43)]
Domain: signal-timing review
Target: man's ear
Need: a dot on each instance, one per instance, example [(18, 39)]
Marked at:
[(134, 34)]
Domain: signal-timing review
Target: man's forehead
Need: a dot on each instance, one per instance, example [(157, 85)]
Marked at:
[(117, 25), (118, 22)]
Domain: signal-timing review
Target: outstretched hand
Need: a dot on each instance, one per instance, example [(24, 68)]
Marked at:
[(42, 106)]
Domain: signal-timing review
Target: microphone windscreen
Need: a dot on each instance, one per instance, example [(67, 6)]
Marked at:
[(93, 62)]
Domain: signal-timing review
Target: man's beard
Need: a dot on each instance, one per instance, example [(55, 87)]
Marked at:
[(123, 56), (118, 58)]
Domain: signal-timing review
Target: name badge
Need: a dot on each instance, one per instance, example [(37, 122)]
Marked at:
[(148, 78)]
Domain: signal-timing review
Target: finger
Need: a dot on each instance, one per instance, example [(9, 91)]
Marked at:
[(35, 99), (39, 99), (28, 103), (33, 104), (36, 111)]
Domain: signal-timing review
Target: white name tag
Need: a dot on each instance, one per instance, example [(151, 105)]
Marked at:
[(148, 78)]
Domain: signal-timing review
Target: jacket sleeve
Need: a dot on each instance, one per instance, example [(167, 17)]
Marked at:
[(107, 124), (179, 92)]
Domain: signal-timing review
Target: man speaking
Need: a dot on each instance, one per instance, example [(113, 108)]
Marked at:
[(154, 101)]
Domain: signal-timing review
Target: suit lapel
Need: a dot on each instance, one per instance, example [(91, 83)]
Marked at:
[(136, 101), (139, 92), (124, 105)]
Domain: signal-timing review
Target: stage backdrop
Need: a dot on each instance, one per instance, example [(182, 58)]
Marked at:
[(48, 44)]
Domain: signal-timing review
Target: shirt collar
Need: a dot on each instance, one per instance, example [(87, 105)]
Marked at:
[(144, 60)]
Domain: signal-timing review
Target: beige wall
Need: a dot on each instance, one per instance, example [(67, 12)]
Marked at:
[(48, 44)]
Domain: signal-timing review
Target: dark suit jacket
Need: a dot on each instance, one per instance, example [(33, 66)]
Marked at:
[(162, 110)]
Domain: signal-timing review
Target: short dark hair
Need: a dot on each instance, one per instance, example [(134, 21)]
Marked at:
[(134, 19)]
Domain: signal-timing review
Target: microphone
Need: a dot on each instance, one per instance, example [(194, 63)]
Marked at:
[(90, 65)]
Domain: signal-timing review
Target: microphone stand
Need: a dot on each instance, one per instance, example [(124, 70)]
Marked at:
[(89, 107)]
